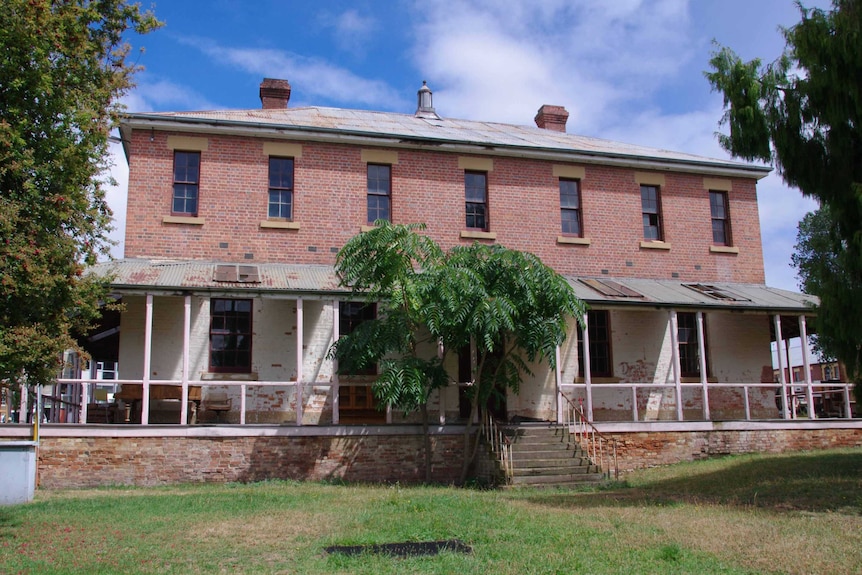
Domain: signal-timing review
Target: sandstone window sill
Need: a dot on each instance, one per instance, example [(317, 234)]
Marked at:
[(599, 380), (687, 379), (477, 235), (360, 380), (655, 245), (573, 240), (279, 225), (723, 249), (192, 220), (209, 376)]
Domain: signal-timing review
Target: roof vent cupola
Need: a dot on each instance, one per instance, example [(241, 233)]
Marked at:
[(425, 106), (274, 94), (552, 118)]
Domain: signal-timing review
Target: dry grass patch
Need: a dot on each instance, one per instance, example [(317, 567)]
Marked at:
[(738, 516), (276, 529)]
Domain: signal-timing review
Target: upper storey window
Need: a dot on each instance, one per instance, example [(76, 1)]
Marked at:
[(476, 196), (651, 208), (570, 207), (720, 218), (186, 183), (379, 192), (281, 188)]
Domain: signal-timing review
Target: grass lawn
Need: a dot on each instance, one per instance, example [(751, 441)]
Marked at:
[(795, 513)]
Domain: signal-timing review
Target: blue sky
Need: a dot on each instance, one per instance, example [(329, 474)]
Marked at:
[(626, 70)]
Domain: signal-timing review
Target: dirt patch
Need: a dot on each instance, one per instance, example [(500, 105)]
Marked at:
[(405, 549)]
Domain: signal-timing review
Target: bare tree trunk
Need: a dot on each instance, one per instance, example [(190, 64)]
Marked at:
[(426, 437), (469, 451)]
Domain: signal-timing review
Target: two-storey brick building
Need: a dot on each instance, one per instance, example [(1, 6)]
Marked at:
[(235, 219)]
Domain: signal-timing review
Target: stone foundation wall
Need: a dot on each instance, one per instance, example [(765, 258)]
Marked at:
[(649, 449), (70, 457), (74, 462)]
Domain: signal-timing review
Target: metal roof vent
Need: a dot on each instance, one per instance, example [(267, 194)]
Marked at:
[(236, 274), (425, 107)]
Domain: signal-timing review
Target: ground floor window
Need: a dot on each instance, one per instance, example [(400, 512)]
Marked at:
[(356, 402), (689, 351), (230, 335), (599, 326)]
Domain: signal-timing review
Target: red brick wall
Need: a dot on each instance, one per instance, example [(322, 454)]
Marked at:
[(73, 462), (641, 450), (428, 186)]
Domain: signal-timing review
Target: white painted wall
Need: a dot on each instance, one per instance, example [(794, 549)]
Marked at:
[(737, 348), (274, 341)]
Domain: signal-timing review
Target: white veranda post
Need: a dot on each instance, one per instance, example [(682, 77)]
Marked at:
[(335, 384), (299, 381), (782, 380), (674, 342), (148, 351), (588, 378)]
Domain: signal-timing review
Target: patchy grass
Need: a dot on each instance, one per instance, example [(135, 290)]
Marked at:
[(799, 513)]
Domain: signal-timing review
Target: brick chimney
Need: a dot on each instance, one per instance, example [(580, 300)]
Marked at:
[(274, 93), (552, 118)]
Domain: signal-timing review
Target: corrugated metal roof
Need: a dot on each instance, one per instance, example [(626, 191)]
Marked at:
[(186, 275), (673, 293), (446, 130), (201, 275)]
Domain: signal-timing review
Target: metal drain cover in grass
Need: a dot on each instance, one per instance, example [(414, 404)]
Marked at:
[(405, 549)]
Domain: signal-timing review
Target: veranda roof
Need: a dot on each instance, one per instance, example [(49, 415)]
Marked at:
[(611, 292), (247, 279)]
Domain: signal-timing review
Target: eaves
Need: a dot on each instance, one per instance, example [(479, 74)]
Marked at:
[(372, 139)]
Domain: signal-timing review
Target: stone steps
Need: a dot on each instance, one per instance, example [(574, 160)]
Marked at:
[(542, 456)]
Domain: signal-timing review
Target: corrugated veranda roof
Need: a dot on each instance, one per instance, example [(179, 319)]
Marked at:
[(137, 275)]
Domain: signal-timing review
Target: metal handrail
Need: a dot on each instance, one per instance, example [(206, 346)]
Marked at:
[(500, 446), (845, 389), (601, 450)]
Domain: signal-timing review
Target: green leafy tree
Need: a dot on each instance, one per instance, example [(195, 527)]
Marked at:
[(510, 307), (384, 266), (821, 259), (62, 68), (803, 112)]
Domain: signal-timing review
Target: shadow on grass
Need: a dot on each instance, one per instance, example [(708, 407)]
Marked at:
[(829, 481), (8, 524)]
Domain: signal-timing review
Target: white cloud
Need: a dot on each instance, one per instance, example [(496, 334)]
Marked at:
[(781, 208), (501, 61), (156, 94), (309, 76), (116, 196), (351, 29)]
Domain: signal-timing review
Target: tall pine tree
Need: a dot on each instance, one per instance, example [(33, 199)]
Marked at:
[(803, 112)]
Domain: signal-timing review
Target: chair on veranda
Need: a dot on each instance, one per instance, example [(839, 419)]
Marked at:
[(216, 401)]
